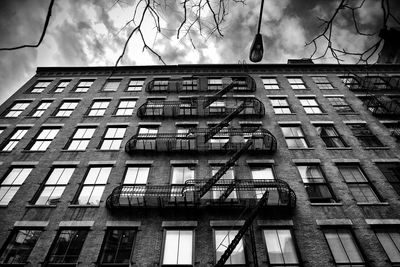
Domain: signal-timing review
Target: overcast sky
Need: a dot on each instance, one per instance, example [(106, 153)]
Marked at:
[(92, 33)]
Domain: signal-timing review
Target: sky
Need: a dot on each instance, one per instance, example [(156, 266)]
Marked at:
[(94, 32)]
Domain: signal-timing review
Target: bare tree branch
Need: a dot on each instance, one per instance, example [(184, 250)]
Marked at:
[(46, 23)]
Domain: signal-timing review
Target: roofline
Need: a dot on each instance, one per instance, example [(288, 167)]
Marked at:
[(215, 66)]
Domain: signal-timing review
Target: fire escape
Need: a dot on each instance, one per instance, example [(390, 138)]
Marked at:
[(376, 99), (201, 192)]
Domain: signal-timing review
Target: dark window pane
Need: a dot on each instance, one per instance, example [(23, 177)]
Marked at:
[(118, 245), (20, 246), (68, 246)]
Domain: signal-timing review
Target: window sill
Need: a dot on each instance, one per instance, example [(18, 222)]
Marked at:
[(339, 148), (377, 148), (121, 115), (59, 117), (33, 151), (349, 113), (83, 206), (323, 113), (6, 151), (3, 206), (326, 204), (86, 116), (66, 150), (285, 113), (373, 204), (108, 150), (306, 148), (41, 206)]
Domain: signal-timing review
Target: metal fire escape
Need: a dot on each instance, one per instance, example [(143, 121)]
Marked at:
[(280, 192)]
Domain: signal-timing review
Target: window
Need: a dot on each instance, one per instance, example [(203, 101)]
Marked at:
[(189, 84), (222, 240), (280, 105), (125, 107), (93, 186), (12, 182), (135, 85), (270, 83), (61, 86), (66, 108), (40, 86), (13, 139), (43, 139), (180, 174), (147, 136), (240, 83), (16, 109), (83, 86), (315, 184), (81, 138), (220, 138), (340, 105), (294, 137), (214, 84), (296, 83), (359, 186), (155, 107), (178, 247), (364, 135), (113, 138), (390, 240), (40, 109), (54, 187), (310, 105), (343, 247), (376, 83), (280, 247), (19, 246), (136, 175), (117, 247), (392, 173), (330, 136), (111, 85), (98, 108), (262, 173), (218, 191), (66, 247), (350, 82), (217, 107), (322, 82), (2, 130), (187, 108), (160, 84), (185, 140)]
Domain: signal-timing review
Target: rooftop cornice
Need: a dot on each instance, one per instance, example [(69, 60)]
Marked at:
[(204, 68)]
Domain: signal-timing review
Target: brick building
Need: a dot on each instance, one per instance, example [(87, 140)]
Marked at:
[(295, 164)]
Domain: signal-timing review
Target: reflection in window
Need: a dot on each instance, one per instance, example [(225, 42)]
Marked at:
[(55, 186), (294, 137), (281, 248), (13, 181), (20, 245), (93, 186), (117, 246), (222, 240), (178, 246), (67, 246)]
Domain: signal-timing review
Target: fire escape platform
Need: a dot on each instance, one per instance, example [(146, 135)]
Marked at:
[(232, 139), (246, 192), (193, 107)]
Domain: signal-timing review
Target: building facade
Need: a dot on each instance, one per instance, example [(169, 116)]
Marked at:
[(202, 165)]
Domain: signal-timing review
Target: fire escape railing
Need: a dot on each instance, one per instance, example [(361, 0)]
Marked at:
[(381, 105), (233, 140), (247, 192), (156, 109), (243, 83)]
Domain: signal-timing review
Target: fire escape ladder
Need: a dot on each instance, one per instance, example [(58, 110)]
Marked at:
[(225, 122), (214, 179), (242, 230), (219, 94), (228, 191)]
